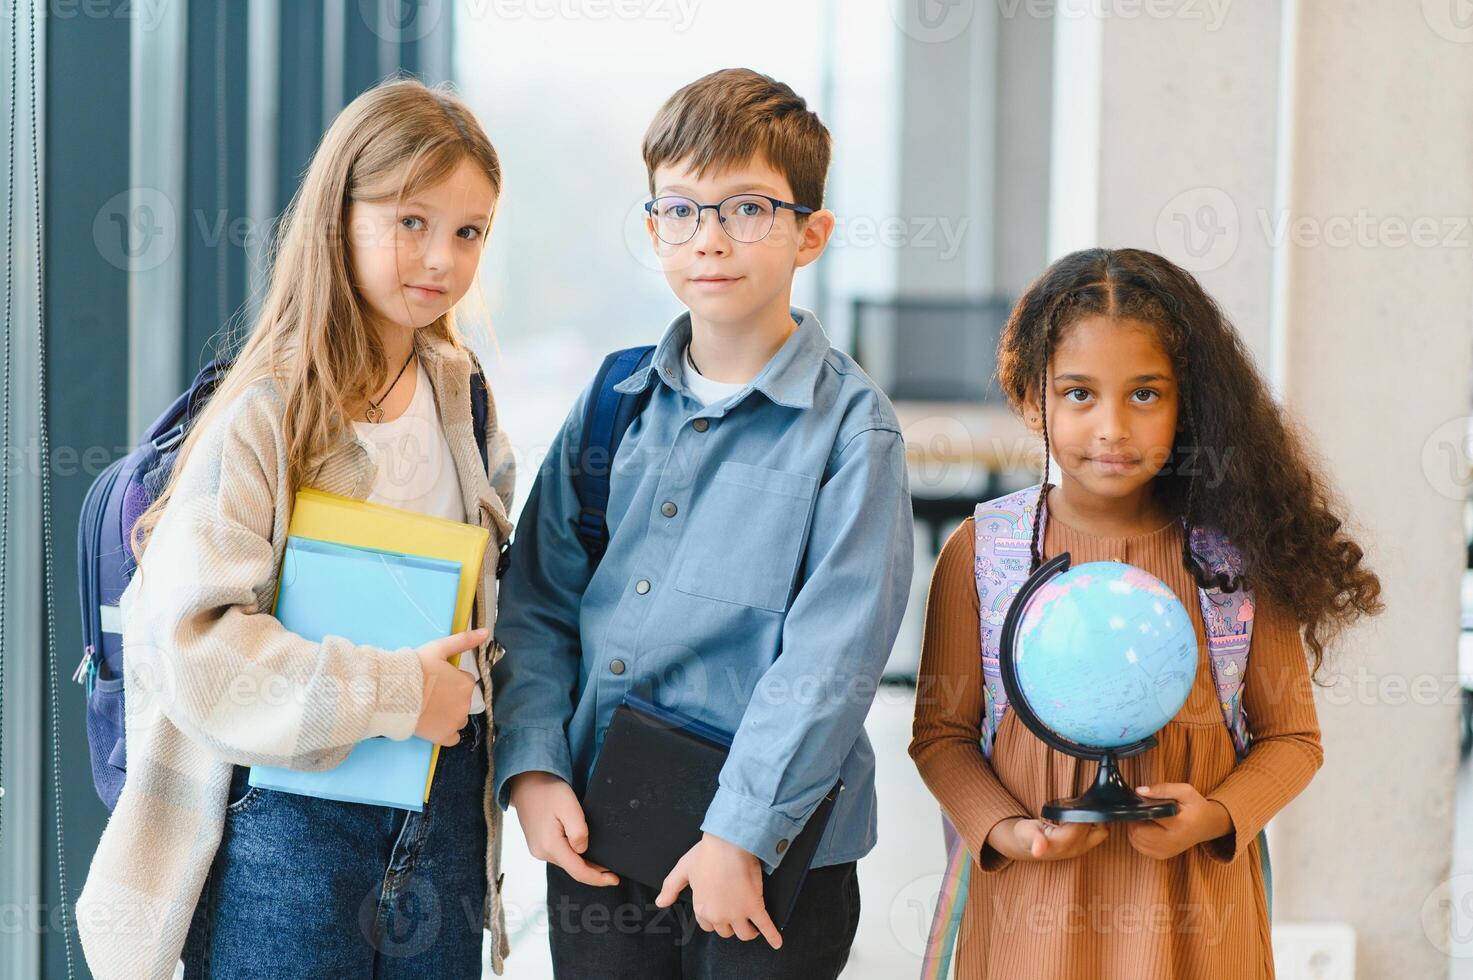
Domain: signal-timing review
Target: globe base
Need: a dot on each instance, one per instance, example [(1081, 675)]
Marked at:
[(1109, 800)]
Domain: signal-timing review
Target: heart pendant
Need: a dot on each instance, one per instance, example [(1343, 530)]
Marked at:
[(373, 413)]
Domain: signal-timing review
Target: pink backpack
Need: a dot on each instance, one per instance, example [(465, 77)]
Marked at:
[(1004, 534)]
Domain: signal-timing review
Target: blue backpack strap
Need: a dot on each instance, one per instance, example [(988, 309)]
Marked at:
[(607, 416)]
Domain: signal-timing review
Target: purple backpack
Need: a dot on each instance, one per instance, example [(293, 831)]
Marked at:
[(1004, 533), (105, 562), (1004, 530)]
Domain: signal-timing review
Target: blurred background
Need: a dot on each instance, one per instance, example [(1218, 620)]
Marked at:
[(1310, 160)]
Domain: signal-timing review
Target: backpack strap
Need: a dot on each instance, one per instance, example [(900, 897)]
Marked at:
[(607, 416), (951, 901), (480, 409), (1229, 620), (1004, 529), (1004, 534), (480, 413), (1228, 617)]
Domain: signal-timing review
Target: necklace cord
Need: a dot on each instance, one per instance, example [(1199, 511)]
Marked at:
[(376, 411)]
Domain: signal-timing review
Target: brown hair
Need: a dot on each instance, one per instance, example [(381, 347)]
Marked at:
[(1272, 501), (311, 334), (726, 118)]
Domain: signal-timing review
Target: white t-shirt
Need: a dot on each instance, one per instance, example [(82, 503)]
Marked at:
[(707, 392), (417, 472)]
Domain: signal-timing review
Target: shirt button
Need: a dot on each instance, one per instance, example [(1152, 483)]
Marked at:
[(782, 845), (642, 586), (669, 509), (616, 666), (701, 425)]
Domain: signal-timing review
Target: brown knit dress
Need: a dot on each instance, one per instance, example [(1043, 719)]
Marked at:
[(1112, 912)]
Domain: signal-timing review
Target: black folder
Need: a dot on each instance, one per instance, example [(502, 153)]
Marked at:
[(655, 777)]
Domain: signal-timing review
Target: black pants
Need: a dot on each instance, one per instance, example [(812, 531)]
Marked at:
[(618, 932)]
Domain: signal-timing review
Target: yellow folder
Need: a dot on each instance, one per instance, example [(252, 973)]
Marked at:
[(345, 520)]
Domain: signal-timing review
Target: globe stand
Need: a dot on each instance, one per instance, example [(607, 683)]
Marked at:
[(1109, 800)]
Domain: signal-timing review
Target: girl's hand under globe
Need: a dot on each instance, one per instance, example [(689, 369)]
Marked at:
[(1197, 820), (1023, 839)]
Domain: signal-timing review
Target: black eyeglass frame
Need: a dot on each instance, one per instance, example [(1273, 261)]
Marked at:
[(649, 210)]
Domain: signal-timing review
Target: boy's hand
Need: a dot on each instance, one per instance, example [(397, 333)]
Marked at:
[(1197, 820), (726, 890), (1040, 840), (552, 821)]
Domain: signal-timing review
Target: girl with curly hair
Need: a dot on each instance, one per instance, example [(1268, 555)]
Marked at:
[(1159, 423)]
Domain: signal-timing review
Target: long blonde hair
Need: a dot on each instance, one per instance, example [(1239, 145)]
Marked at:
[(311, 334)]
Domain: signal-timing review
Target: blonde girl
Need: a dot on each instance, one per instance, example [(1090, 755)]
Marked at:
[(355, 380)]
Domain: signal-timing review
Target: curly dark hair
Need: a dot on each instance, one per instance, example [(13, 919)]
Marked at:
[(1272, 501)]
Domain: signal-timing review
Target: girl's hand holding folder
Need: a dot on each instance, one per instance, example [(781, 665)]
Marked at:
[(447, 689)]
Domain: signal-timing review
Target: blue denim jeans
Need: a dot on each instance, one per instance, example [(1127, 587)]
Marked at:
[(312, 888), (617, 932)]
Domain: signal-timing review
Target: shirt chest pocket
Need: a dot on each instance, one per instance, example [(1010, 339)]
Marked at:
[(746, 536)]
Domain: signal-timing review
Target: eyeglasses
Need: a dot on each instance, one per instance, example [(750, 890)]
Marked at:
[(745, 218)]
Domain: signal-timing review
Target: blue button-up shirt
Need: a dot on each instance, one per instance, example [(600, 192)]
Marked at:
[(758, 567)]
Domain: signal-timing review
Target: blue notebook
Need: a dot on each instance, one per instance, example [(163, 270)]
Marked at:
[(377, 598)]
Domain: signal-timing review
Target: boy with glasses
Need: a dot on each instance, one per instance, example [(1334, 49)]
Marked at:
[(755, 574)]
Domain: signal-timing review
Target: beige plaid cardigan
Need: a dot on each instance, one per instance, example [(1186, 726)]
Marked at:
[(202, 658)]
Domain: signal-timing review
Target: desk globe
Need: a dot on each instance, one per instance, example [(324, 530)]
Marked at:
[(1096, 659)]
